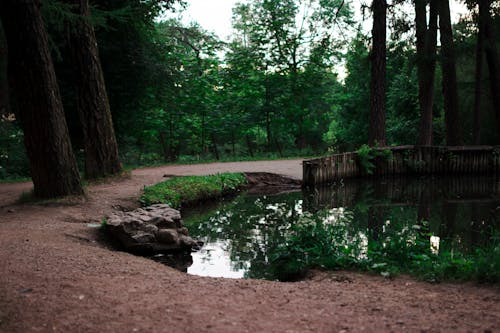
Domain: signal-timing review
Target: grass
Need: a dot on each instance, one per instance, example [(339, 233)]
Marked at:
[(185, 191)]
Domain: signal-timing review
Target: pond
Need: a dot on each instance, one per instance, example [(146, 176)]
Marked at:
[(432, 227)]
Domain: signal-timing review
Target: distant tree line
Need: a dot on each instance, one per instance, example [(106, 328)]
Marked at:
[(110, 74)]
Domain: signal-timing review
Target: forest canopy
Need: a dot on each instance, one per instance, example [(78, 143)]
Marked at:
[(295, 78)]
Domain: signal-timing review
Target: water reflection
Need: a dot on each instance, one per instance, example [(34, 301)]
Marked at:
[(246, 236)]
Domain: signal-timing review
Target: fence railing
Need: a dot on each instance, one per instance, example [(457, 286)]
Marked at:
[(403, 160)]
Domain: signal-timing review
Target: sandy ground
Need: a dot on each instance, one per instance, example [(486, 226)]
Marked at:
[(56, 277)]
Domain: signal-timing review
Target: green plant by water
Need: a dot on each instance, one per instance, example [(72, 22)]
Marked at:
[(401, 248), (282, 237), (367, 155), (179, 191)]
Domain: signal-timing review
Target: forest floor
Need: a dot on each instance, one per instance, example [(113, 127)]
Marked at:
[(55, 276)]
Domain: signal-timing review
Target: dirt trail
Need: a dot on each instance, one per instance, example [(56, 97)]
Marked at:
[(55, 277)]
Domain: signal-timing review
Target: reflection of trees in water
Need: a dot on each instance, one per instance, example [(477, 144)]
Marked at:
[(254, 226), (446, 203), (462, 212)]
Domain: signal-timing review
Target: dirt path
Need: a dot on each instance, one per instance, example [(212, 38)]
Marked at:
[(55, 277)]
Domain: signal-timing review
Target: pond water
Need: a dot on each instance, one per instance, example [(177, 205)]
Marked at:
[(385, 225)]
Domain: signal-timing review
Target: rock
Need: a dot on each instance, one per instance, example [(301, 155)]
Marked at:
[(187, 241), (183, 231), (150, 230), (165, 223), (143, 237), (168, 236)]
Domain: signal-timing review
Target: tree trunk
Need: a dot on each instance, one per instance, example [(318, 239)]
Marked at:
[(4, 87), (490, 48), (249, 145), (214, 147), (38, 102), (448, 65), (267, 111), (478, 87), (101, 149), (376, 132), (426, 64)]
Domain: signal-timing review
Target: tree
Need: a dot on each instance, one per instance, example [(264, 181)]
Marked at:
[(376, 130), (38, 104), (449, 82), (101, 149), (426, 64), (285, 37), (490, 47), (478, 84), (4, 89)]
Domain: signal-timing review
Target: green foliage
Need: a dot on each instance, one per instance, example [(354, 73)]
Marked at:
[(375, 233), (401, 249), (14, 163), (178, 92), (366, 156), (181, 191)]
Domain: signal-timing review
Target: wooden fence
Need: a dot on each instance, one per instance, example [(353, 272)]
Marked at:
[(404, 191), (403, 160)]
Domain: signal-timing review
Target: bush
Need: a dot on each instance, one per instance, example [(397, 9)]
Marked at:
[(402, 248)]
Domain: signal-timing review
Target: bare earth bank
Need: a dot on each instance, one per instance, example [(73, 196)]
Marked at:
[(55, 277)]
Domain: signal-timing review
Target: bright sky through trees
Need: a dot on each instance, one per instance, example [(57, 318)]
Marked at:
[(215, 15)]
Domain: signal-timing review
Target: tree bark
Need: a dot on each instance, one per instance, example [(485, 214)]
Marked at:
[(214, 146), (4, 87), (448, 65), (38, 102), (426, 65), (376, 132), (478, 86), (101, 148), (490, 48)]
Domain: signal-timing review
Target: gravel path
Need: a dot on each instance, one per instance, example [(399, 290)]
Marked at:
[(56, 277)]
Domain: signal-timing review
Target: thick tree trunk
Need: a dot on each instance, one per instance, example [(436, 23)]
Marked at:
[(4, 87), (478, 87), (101, 149), (426, 63), (376, 132), (38, 103), (448, 65), (490, 48)]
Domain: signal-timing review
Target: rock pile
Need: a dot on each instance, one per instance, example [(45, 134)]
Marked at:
[(153, 229)]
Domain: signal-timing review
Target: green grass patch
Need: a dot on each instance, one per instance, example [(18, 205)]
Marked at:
[(182, 191)]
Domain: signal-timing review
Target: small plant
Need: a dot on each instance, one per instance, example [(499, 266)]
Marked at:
[(367, 156), (104, 223)]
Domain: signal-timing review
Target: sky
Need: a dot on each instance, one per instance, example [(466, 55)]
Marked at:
[(215, 15), (212, 15)]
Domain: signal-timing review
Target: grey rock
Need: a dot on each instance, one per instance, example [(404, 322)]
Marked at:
[(153, 229), (187, 241), (167, 236), (183, 231), (143, 237)]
